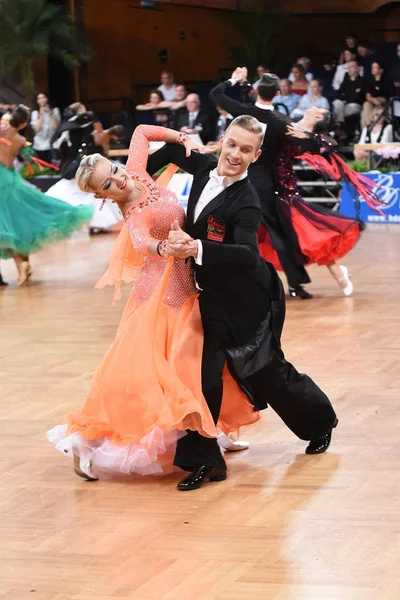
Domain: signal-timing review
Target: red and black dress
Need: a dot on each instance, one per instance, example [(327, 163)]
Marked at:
[(315, 234)]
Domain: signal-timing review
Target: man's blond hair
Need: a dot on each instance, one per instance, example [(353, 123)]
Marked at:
[(249, 123)]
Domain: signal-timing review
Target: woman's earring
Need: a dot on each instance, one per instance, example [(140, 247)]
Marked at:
[(102, 204)]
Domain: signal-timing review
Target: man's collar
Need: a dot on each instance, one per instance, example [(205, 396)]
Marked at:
[(225, 180), (265, 106)]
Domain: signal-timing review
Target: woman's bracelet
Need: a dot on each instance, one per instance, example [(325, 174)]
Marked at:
[(182, 138), (162, 248)]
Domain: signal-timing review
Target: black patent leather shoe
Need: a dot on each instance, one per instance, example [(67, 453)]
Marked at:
[(300, 292), (2, 282), (200, 476), (321, 444)]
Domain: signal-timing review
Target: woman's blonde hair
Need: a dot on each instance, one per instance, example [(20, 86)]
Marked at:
[(85, 171)]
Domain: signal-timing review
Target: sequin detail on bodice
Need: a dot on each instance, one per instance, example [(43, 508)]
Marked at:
[(285, 179), (152, 218)]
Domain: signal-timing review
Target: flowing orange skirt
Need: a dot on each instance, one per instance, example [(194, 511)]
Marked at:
[(147, 391)]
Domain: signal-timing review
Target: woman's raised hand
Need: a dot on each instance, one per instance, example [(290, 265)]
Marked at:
[(191, 145)]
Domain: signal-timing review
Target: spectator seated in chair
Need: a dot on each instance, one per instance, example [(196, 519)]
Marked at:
[(194, 120), (289, 100), (378, 89), (347, 107)]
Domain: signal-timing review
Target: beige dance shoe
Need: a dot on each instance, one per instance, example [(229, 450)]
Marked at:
[(230, 445), (83, 468), (348, 288)]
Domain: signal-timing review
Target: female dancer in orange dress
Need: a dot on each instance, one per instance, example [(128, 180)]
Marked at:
[(147, 390)]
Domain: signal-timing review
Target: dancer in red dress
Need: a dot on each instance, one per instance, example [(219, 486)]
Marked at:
[(318, 235)]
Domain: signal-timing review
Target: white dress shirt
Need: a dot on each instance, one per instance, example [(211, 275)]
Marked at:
[(212, 189)]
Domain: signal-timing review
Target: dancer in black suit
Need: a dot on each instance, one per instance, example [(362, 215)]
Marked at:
[(241, 300), (261, 174)]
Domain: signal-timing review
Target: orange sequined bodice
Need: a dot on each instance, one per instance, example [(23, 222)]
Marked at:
[(152, 218)]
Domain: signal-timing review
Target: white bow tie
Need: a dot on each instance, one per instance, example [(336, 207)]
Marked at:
[(218, 180)]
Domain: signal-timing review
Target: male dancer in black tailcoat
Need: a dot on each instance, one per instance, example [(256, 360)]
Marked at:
[(241, 300), (279, 228)]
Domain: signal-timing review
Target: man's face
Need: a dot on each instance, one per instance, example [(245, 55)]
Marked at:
[(286, 87), (239, 149), (376, 69), (353, 68), (193, 103), (351, 41), (315, 88), (180, 92), (110, 181)]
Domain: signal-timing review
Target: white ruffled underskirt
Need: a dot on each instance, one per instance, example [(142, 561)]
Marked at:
[(68, 190), (141, 457)]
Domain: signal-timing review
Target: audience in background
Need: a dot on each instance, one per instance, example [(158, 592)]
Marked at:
[(45, 121), (342, 69), (193, 119), (347, 107), (156, 99), (378, 89), (299, 80), (350, 44), (381, 132), (305, 63), (261, 69), (366, 56), (167, 87), (313, 99), (287, 98)]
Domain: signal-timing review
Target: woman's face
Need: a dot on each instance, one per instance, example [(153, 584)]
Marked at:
[(42, 100), (296, 73), (166, 79), (154, 99), (111, 181), (315, 114), (375, 115)]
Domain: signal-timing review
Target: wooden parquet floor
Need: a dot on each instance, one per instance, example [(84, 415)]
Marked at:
[(284, 526)]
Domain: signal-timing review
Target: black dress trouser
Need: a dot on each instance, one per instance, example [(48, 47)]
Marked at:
[(194, 450), (295, 397)]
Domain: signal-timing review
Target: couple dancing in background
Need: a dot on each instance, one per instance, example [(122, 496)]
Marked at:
[(295, 233), (198, 345), (28, 218)]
